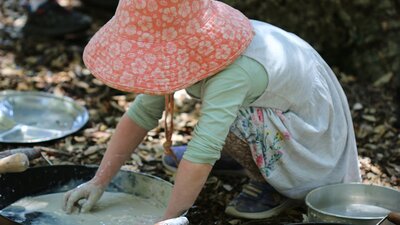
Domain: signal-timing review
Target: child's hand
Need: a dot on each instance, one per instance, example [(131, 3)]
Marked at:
[(83, 197), (175, 221)]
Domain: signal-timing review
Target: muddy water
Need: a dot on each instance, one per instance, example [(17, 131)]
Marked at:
[(114, 208)]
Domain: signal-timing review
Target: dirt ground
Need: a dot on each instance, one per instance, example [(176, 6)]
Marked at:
[(55, 66)]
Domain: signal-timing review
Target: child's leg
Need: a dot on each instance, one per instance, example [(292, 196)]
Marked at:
[(258, 199), (240, 151), (249, 135)]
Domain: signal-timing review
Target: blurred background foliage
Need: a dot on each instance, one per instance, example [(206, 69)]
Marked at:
[(361, 37)]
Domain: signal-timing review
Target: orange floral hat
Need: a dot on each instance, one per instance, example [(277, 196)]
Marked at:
[(161, 46)]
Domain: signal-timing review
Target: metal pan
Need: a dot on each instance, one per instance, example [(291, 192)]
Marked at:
[(392, 219), (352, 203), (32, 117), (349, 204), (52, 179)]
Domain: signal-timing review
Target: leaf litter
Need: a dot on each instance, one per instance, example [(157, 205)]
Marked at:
[(55, 66)]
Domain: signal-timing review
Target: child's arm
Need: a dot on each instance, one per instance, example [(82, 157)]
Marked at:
[(189, 181), (128, 135), (126, 138), (142, 116)]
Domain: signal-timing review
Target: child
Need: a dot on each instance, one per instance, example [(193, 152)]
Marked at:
[(268, 99)]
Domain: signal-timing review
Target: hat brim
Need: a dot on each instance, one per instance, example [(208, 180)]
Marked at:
[(162, 67)]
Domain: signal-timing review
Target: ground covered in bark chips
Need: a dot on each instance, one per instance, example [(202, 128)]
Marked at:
[(55, 66)]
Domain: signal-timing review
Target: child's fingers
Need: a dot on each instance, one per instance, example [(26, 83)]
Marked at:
[(65, 200), (88, 205), (74, 197)]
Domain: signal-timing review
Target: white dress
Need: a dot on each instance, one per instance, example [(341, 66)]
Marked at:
[(307, 130)]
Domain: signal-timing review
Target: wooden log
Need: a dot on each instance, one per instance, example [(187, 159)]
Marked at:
[(17, 162), (34, 152), (31, 153)]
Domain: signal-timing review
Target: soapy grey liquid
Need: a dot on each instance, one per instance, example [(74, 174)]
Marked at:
[(357, 210), (112, 209)]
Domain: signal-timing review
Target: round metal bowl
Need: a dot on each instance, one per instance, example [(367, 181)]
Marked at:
[(33, 117), (352, 203), (53, 179)]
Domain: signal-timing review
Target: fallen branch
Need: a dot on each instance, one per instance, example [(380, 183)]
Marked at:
[(52, 151), (33, 153)]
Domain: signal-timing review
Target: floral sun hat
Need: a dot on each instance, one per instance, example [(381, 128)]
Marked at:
[(161, 46)]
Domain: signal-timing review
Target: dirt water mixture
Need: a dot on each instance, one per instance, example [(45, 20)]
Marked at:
[(112, 209)]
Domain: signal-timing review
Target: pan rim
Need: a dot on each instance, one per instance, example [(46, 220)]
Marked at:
[(310, 206)]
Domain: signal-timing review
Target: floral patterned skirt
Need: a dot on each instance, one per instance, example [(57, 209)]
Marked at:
[(282, 152), (264, 132)]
